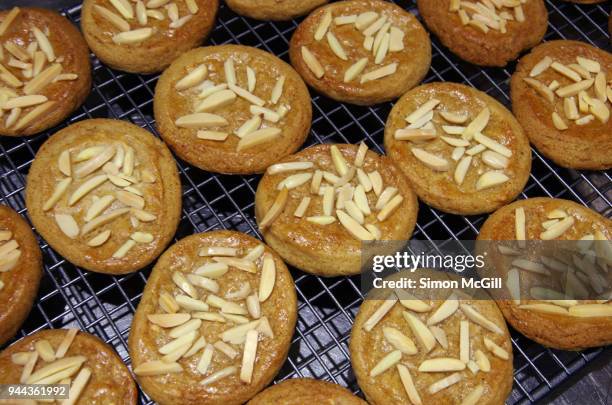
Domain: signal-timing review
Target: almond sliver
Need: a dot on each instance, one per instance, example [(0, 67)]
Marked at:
[(78, 386), (589, 64), (420, 331), (157, 367), (55, 367), (67, 225), (248, 96), (193, 78), (258, 137), (479, 319), (441, 364), (169, 320), (313, 64), (275, 210), (364, 20), (408, 384), (399, 341), (323, 26), (491, 179), (249, 356), (541, 66), (8, 20), (133, 36), (200, 120), (386, 363), (430, 160), (379, 73), (115, 19), (268, 277), (58, 192), (445, 383), (495, 349), (448, 308), (422, 110)]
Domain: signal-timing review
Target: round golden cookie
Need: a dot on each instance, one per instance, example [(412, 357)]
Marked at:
[(95, 372), (105, 194), (45, 74), (482, 36), (411, 339), (275, 10), (324, 236), (333, 50), (569, 327), (20, 271), (444, 155), (232, 109), (146, 36), (306, 391), (215, 322), (581, 135)]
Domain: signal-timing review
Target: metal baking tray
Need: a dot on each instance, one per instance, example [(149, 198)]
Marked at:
[(104, 305)]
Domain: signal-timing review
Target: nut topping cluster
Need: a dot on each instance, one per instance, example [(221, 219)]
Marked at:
[(196, 300), (489, 15), (465, 137), (586, 93), (428, 329), (9, 253), (380, 38), (131, 20), (56, 367), (209, 97), (82, 193), (343, 195), (26, 69)]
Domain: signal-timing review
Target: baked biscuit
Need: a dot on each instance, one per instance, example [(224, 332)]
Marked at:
[(305, 391), (92, 369), (232, 109), (44, 70), (20, 271), (555, 319), (145, 36), (431, 351), (215, 322), (463, 151), (361, 51), (105, 194), (486, 36), (562, 95), (316, 207), (275, 10)]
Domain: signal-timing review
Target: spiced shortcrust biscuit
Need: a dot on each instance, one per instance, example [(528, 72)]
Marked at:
[(45, 72), (463, 151), (562, 95), (361, 51), (20, 271), (430, 350), (306, 391), (275, 10), (215, 322), (486, 35), (316, 207), (555, 315), (95, 373), (145, 36), (105, 194), (232, 109)]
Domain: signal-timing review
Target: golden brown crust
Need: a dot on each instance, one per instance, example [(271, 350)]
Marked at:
[(552, 330), (275, 10), (578, 147), (329, 250), (413, 62), (110, 381), (368, 348), (306, 391), (485, 49), (67, 42), (437, 188), (157, 52), (181, 388), (21, 282), (222, 156), (162, 197)]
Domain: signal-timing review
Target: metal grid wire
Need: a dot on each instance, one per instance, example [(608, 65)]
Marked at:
[(104, 305)]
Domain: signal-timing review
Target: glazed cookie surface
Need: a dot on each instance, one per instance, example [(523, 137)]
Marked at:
[(275, 10), (562, 95), (145, 36), (215, 322), (305, 391), (232, 109), (105, 194), (463, 151), (486, 36), (93, 370), (361, 52), (434, 351), (316, 207), (555, 318), (20, 271), (44, 70)]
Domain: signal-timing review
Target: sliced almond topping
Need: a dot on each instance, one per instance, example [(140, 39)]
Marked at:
[(312, 62), (182, 330), (250, 97), (474, 396), (589, 64), (464, 341), (64, 163), (368, 43), (408, 384), (226, 349), (255, 253), (288, 167), (78, 386), (186, 339), (212, 135), (67, 225), (219, 375), (200, 120), (473, 367), (141, 14), (422, 110), (188, 303), (378, 38), (565, 71), (157, 367), (380, 312), (203, 282), (461, 169), (66, 343), (382, 49), (208, 88), (212, 270), (130, 199), (574, 88), (495, 160), (591, 310), (169, 320), (345, 19), (95, 162), (364, 20), (353, 227), (124, 249), (249, 355), (558, 121), (600, 111), (420, 331), (355, 70), (240, 264), (277, 91), (133, 36), (251, 79), (389, 208), (58, 192), (198, 345), (323, 26), (440, 335), (396, 40), (55, 367), (28, 367), (377, 182), (9, 78), (578, 69), (115, 19), (400, 341), (482, 360), (321, 219), (302, 207), (492, 144), (103, 219), (415, 135), (258, 137), (268, 114), (37, 84), (480, 319), (379, 73), (354, 211), (441, 364), (216, 100), (361, 200), (268, 277), (142, 237), (559, 229), (124, 7), (445, 383), (491, 179), (45, 350), (181, 282), (541, 66), (430, 160), (24, 101), (542, 307), (585, 120), (458, 153), (12, 117), (542, 89), (519, 226), (377, 25), (275, 210), (495, 349), (386, 363), (294, 181), (8, 20), (217, 251), (445, 310), (193, 78)]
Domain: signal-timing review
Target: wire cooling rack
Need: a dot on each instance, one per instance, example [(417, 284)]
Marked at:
[(104, 305)]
